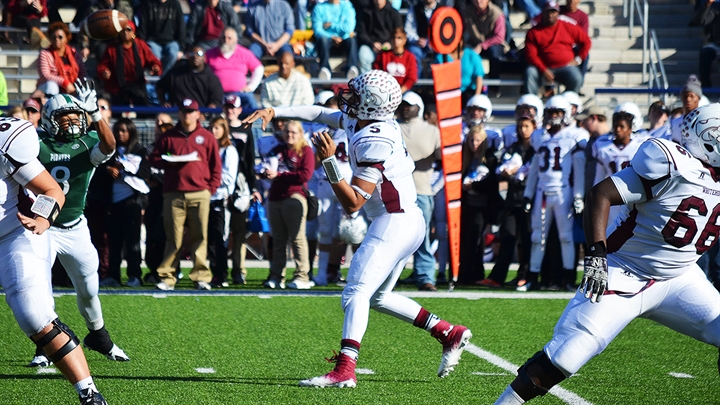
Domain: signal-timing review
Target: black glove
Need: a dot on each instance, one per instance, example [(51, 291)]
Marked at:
[(594, 282), (527, 205)]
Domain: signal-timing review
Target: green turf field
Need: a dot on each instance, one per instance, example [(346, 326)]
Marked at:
[(253, 349)]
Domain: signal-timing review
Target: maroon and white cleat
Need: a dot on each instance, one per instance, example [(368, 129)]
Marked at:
[(343, 376), (454, 339)]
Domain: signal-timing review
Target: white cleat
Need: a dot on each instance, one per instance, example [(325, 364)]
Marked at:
[(458, 338), (40, 361), (117, 354), (329, 380)]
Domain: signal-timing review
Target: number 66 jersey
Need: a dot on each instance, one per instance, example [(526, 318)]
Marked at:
[(671, 212)]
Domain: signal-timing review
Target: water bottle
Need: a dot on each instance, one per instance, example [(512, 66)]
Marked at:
[(308, 21)]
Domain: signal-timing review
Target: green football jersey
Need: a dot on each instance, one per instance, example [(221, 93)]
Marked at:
[(70, 165)]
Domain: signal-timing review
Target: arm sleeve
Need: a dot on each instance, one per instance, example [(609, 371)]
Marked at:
[(498, 37), (97, 157), (313, 113), (531, 51), (180, 28), (229, 171), (45, 62), (257, 76), (150, 58), (579, 172), (105, 62), (249, 161), (290, 21), (348, 22), (215, 167), (629, 185), (317, 22), (583, 39), (192, 22), (532, 178), (28, 171), (411, 26)]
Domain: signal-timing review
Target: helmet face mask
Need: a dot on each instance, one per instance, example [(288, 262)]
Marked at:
[(59, 106), (373, 96), (701, 134), (531, 101), (554, 105), (554, 117)]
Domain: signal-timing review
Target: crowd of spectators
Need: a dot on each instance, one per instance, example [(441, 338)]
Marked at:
[(209, 59)]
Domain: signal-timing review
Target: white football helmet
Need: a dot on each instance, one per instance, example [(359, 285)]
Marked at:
[(531, 100), (483, 102), (322, 97), (557, 103), (632, 109), (60, 104), (703, 101), (352, 229), (701, 133), (374, 95), (574, 99)]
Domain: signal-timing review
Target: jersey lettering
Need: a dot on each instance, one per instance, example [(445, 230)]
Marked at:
[(61, 174), (547, 156), (681, 229)]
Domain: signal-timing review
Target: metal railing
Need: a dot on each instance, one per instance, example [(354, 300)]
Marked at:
[(653, 69)]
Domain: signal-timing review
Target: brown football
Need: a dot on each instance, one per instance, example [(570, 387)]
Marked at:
[(104, 24)]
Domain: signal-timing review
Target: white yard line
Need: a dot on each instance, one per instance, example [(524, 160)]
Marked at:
[(566, 396)]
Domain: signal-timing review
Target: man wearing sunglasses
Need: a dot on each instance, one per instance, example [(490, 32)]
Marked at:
[(191, 79)]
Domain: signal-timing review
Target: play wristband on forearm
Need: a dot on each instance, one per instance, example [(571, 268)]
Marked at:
[(46, 207), (332, 170)]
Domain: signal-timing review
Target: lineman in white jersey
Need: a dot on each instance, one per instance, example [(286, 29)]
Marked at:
[(614, 151), (554, 188), (527, 104), (645, 267), (25, 253), (382, 184)]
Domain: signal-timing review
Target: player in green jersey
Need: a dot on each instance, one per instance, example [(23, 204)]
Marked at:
[(71, 152)]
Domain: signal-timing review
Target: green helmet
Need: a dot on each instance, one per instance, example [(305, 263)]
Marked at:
[(58, 105)]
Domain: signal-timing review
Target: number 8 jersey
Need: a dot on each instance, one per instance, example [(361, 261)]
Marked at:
[(671, 216), (72, 165)]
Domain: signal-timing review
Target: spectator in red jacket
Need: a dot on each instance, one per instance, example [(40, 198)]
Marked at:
[(27, 14), (131, 56), (550, 55), (400, 63), (189, 154)]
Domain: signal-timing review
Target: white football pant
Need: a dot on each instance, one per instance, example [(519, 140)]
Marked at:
[(376, 266), (558, 206)]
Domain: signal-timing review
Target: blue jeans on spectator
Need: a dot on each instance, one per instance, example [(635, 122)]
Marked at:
[(570, 76), (324, 47), (247, 99), (423, 259), (420, 54), (708, 55), (167, 53), (532, 8), (259, 51), (366, 57)]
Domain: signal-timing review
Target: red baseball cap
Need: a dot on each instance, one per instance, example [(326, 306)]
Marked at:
[(32, 103), (232, 100), (189, 104)]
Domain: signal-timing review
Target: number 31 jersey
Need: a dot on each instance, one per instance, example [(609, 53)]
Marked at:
[(676, 220)]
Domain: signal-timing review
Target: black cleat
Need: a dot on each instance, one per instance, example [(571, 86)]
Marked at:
[(94, 398), (99, 341)]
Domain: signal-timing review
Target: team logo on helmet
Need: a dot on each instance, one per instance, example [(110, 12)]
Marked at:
[(701, 133)]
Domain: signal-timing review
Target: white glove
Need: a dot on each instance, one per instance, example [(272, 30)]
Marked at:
[(578, 205), (88, 98)]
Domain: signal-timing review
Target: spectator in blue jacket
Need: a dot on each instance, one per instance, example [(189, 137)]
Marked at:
[(333, 24), (270, 25)]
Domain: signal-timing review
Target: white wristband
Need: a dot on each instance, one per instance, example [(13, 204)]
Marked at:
[(46, 207), (332, 170), (96, 116)]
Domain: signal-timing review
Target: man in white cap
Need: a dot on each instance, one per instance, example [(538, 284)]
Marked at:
[(422, 142)]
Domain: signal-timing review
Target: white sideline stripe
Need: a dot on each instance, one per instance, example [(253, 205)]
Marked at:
[(366, 371), (47, 370), (566, 396), (262, 294), (208, 370), (681, 375)]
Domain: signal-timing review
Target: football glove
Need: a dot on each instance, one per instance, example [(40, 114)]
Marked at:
[(527, 205), (88, 98), (595, 279), (578, 205)]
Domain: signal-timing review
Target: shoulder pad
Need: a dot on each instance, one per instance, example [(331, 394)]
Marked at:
[(657, 158), (21, 144), (372, 149)]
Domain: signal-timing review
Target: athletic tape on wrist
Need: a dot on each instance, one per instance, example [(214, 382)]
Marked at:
[(332, 170), (96, 116), (46, 207)]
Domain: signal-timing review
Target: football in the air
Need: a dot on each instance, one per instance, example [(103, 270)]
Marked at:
[(104, 24)]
